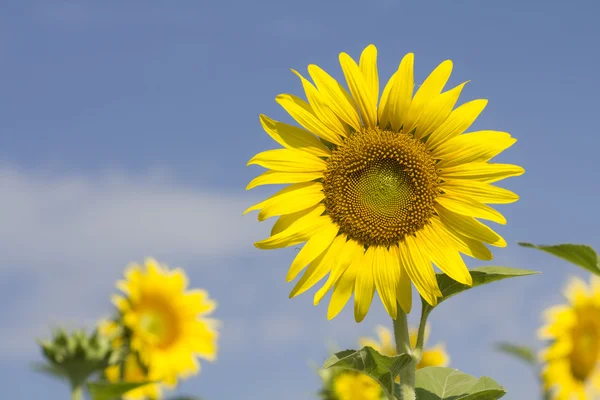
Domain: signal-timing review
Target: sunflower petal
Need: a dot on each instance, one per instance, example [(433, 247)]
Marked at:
[(303, 113), (472, 208), (469, 227), (444, 255), (320, 267), (364, 287), (315, 246), (480, 191), (435, 112), (465, 245), (277, 178), (299, 231), (404, 287), (338, 99), (342, 291), (383, 111), (368, 67), (351, 251), (420, 270), (386, 269), (401, 93), (286, 160), (361, 93), (481, 171), (292, 137), (286, 220), (457, 122), (290, 199), (473, 147)]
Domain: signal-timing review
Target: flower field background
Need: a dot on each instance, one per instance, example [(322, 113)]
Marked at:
[(124, 133)]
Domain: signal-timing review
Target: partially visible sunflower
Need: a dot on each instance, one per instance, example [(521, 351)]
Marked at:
[(381, 187), (572, 359), (166, 324), (133, 371), (435, 356), (352, 385)]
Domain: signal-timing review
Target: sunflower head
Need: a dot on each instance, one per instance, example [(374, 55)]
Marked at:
[(572, 359), (342, 384), (132, 370), (166, 324), (382, 185)]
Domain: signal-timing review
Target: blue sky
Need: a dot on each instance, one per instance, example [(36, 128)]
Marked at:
[(124, 132)]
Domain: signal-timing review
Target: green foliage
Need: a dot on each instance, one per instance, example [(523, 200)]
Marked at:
[(481, 276), (103, 390), (439, 383), (383, 369), (523, 353), (578, 254)]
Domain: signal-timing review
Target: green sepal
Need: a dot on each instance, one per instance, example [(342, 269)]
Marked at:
[(523, 353), (384, 369), (104, 390), (579, 254), (440, 383)]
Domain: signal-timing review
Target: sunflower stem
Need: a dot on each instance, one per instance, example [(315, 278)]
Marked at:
[(418, 351), (77, 392), (407, 374)]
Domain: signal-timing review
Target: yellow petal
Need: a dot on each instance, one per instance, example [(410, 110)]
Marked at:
[(362, 95), (364, 287), (292, 137), (469, 227), (368, 67), (473, 147), (419, 269), (480, 191), (434, 357), (467, 206), (290, 199), (342, 290), (320, 267), (457, 122), (351, 251), (338, 99), (285, 221), (303, 113), (316, 245), (277, 178), (404, 288), (431, 87), (386, 269), (287, 160), (465, 245), (435, 112), (439, 247), (481, 171), (320, 107), (383, 111), (401, 92), (299, 231)]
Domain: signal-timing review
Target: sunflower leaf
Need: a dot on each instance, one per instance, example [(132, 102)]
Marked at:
[(439, 383), (383, 369), (578, 254), (103, 390), (523, 353)]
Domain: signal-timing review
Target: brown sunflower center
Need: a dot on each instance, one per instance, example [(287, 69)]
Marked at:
[(586, 345), (380, 186)]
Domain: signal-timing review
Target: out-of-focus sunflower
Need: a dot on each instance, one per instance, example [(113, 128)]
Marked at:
[(133, 371), (381, 187), (435, 356), (572, 359), (351, 385), (167, 324)]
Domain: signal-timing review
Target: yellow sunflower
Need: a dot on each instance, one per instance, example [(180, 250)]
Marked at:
[(167, 324), (572, 360), (351, 385), (435, 356), (381, 186), (134, 372)]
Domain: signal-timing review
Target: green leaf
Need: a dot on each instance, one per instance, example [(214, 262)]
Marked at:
[(523, 353), (481, 276), (103, 390), (578, 254), (367, 360), (439, 383)]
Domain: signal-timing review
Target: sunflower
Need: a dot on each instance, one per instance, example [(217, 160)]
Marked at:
[(352, 385), (572, 360), (381, 186), (133, 371), (435, 356), (166, 324)]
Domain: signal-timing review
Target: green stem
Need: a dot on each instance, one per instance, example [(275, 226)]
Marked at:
[(421, 335), (77, 392), (407, 374)]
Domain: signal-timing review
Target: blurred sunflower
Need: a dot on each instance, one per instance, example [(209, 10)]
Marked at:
[(351, 385), (572, 360), (435, 356), (381, 186), (133, 371), (166, 324)]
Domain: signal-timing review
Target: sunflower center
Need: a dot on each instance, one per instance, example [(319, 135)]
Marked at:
[(158, 322), (586, 346), (380, 186)]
